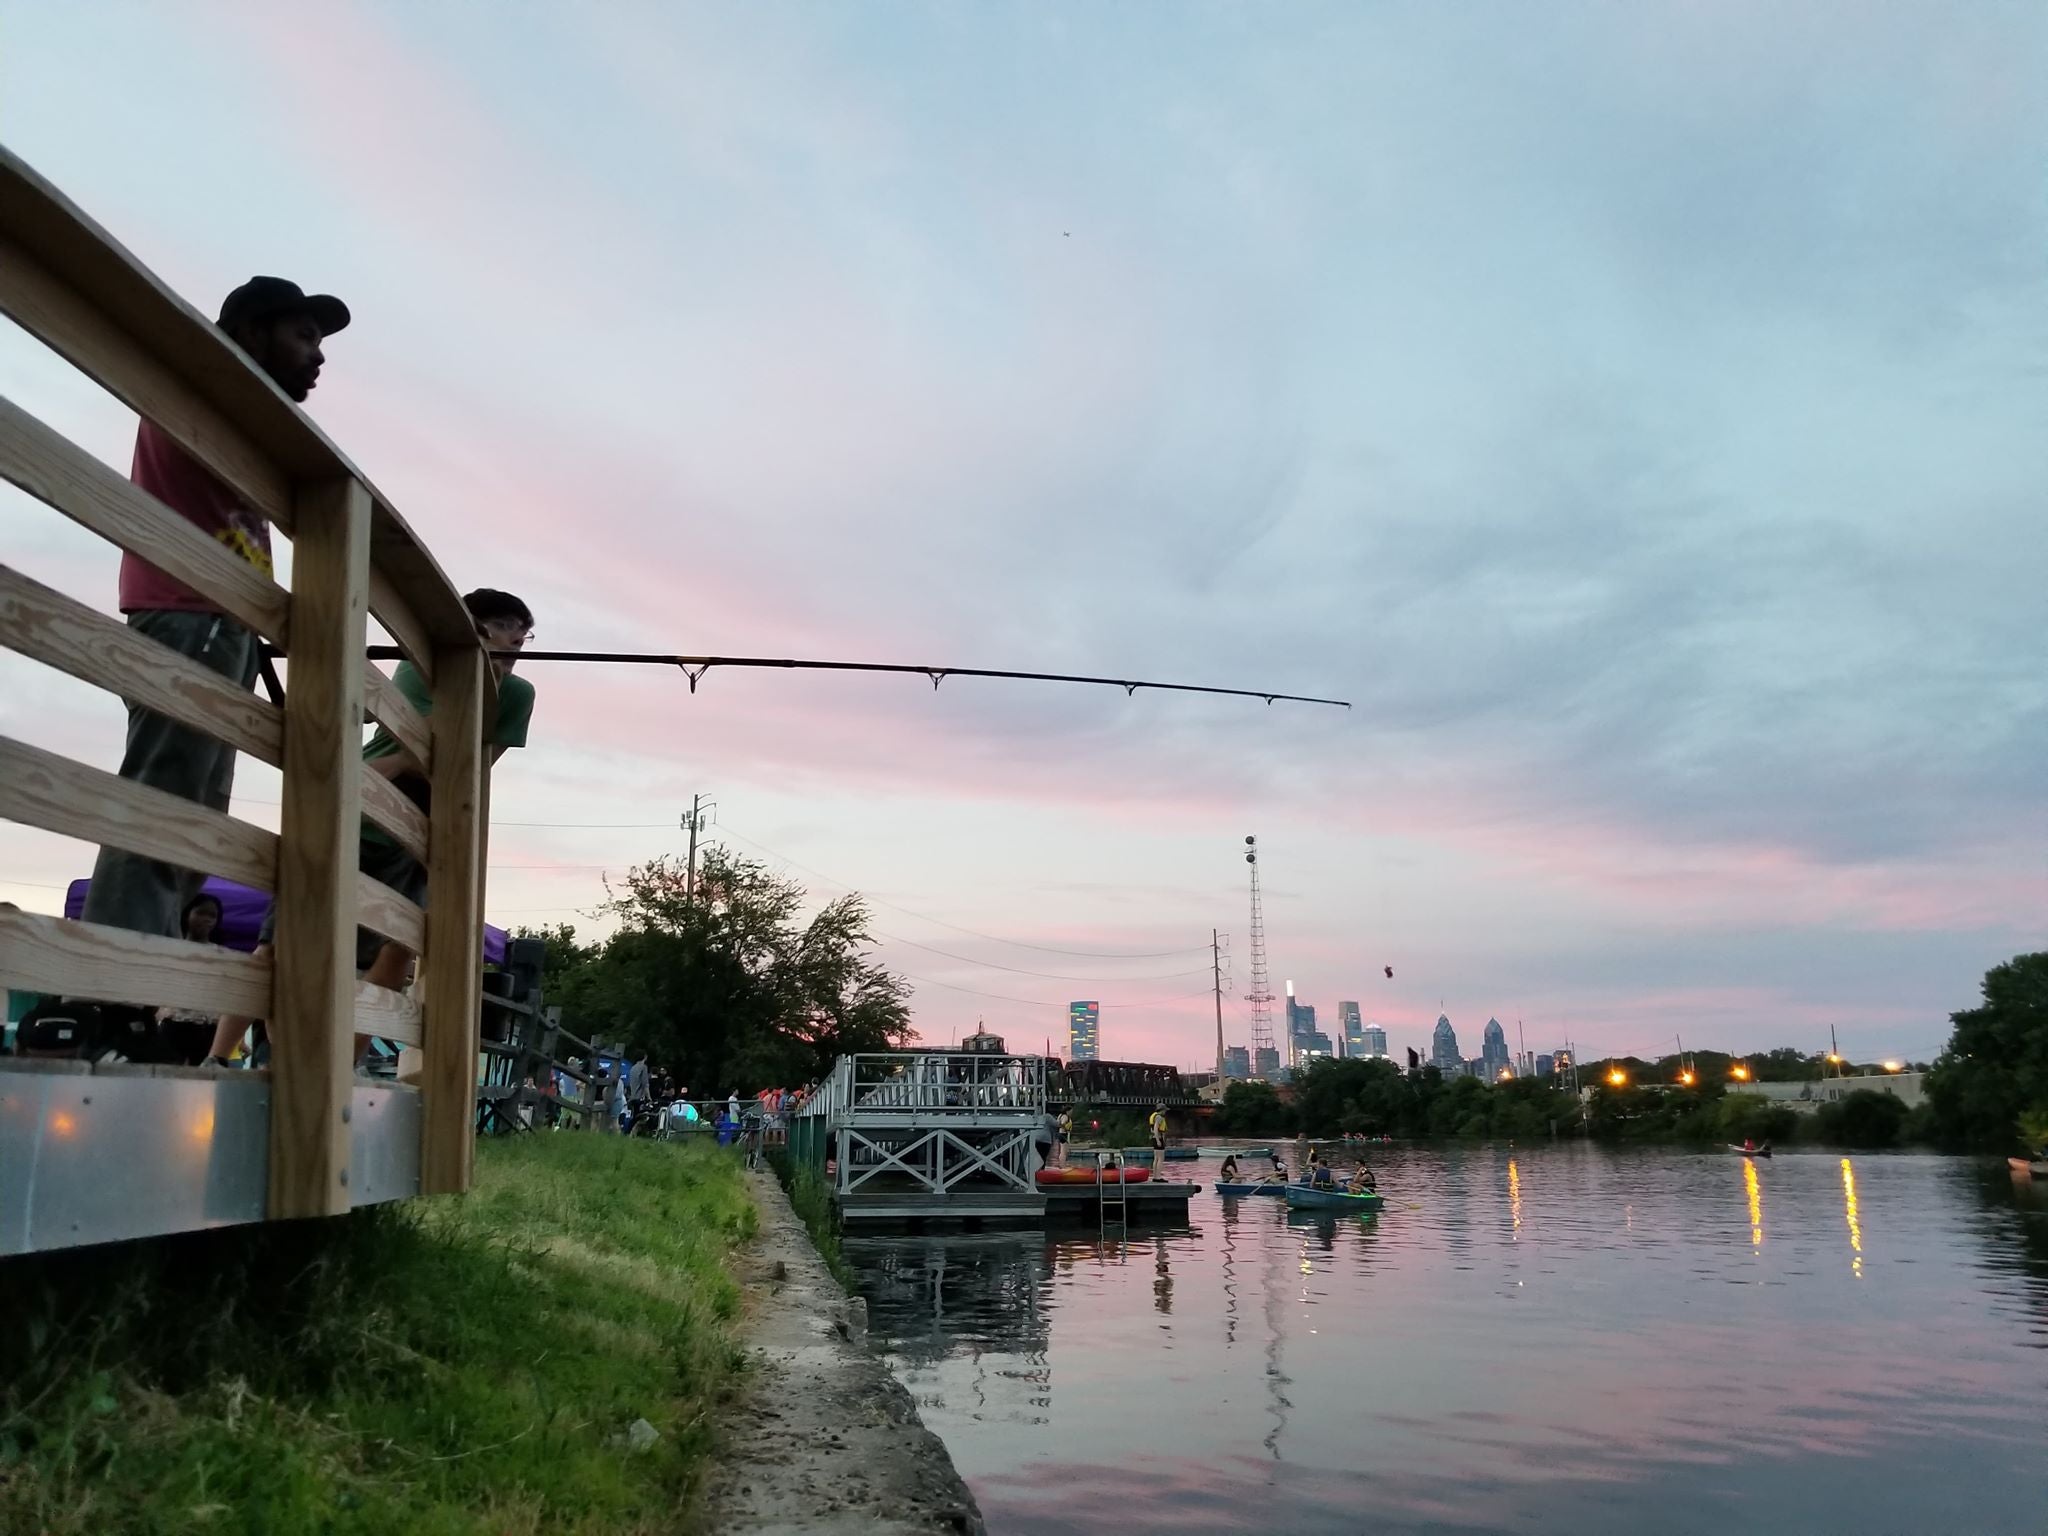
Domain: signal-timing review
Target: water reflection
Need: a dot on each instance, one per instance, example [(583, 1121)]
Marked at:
[(1641, 1364), (1753, 1186), (1849, 1210)]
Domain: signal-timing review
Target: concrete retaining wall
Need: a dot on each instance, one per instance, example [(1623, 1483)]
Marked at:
[(824, 1442)]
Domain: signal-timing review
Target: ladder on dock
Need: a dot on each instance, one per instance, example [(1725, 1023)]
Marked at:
[(1102, 1195)]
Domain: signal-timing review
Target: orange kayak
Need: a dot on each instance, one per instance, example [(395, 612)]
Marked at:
[(1088, 1175)]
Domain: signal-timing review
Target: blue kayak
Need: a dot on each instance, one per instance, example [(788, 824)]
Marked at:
[(1274, 1188), (1305, 1196)]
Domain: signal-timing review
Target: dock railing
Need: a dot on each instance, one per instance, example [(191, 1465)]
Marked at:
[(940, 1082), (68, 283)]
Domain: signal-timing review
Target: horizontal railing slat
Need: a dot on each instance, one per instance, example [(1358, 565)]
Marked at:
[(388, 808), (119, 322), (394, 711), (67, 322), (390, 609), (42, 789), (382, 910), (50, 954), (59, 473), (380, 1011), (52, 628)]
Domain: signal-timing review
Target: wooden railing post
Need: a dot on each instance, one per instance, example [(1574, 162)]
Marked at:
[(453, 963), (312, 1016)]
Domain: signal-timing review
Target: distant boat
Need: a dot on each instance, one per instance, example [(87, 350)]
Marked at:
[(1275, 1187), (1750, 1151), (1182, 1154), (1307, 1196)]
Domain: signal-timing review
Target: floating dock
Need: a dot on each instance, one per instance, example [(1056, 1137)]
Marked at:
[(941, 1136)]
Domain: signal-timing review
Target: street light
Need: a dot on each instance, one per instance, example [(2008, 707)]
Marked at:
[(1616, 1077), (1685, 1077), (1895, 1066), (1740, 1072)]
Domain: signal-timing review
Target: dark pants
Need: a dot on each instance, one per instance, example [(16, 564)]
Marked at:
[(380, 860), (146, 895)]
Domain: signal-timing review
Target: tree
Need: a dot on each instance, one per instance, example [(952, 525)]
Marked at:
[(723, 984), (1996, 1065), (1865, 1118), (1252, 1109)]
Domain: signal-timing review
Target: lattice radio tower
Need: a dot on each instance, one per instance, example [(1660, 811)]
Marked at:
[(1261, 994)]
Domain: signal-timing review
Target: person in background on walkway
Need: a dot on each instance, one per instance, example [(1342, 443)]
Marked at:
[(639, 1097), (504, 623), (617, 1103), (282, 329), (1157, 1125), (732, 1105)]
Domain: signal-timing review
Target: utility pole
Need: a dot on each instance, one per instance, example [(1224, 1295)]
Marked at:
[(1216, 974), (693, 819)]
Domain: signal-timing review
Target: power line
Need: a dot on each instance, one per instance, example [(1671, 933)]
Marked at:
[(990, 965), (1036, 1002), (1045, 949)]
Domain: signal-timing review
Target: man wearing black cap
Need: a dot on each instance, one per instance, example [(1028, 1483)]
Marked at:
[(281, 328)]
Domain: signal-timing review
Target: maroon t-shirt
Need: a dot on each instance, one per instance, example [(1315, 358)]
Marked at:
[(174, 478)]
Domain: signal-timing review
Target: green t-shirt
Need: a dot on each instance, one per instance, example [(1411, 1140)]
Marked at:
[(515, 712)]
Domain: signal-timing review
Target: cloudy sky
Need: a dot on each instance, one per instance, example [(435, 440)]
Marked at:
[(1638, 415)]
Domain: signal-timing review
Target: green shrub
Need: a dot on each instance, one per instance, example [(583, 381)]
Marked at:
[(1865, 1118)]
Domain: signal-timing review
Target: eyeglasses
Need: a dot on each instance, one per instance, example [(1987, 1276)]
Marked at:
[(509, 633)]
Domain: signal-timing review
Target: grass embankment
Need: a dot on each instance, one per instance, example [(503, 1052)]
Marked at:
[(811, 1198), (445, 1366)]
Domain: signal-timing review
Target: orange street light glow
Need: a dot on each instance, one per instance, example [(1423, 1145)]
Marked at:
[(1617, 1077), (1895, 1066), (1685, 1078), (1739, 1072)]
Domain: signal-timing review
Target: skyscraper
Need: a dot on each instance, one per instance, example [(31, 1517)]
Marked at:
[(1301, 1023), (1375, 1042), (1350, 1030), (1266, 1061), (1443, 1047), (1493, 1050), (1546, 1064), (1084, 1040), (1237, 1062)]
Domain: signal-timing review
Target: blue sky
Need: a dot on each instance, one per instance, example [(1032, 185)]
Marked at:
[(1636, 412)]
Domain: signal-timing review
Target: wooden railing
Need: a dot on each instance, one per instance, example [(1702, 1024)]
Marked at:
[(68, 283)]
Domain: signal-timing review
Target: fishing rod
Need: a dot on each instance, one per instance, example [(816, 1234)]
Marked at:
[(694, 668)]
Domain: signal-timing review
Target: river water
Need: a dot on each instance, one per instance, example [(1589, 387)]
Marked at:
[(1565, 1339)]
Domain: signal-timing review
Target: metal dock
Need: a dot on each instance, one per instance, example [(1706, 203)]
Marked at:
[(922, 1136)]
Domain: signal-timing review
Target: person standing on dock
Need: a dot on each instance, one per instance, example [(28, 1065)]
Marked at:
[(1063, 1129), (281, 327), (504, 624), (1158, 1127)]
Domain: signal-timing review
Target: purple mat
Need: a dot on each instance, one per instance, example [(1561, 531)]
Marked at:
[(241, 915)]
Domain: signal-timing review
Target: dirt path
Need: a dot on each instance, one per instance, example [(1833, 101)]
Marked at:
[(824, 1440)]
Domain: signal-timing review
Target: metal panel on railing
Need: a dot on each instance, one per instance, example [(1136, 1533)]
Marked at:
[(109, 1154)]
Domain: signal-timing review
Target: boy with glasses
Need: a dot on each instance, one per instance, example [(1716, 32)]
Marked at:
[(504, 624)]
